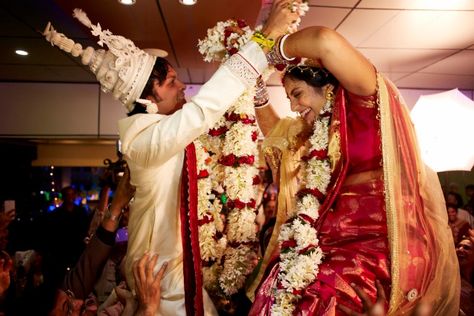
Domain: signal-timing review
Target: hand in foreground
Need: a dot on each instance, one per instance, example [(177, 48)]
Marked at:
[(6, 218), (125, 190), (123, 195), (66, 305), (370, 309), (471, 235), (6, 264), (280, 19), (147, 285), (126, 299)]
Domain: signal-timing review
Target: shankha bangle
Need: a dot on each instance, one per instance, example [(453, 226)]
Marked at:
[(281, 43)]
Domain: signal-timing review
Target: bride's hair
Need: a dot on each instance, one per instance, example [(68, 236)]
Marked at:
[(314, 76)]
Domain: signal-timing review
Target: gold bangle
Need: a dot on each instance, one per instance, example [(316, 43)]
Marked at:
[(261, 40)]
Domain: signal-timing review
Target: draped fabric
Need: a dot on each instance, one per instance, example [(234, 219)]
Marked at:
[(424, 262), (384, 217), (190, 235), (282, 147)]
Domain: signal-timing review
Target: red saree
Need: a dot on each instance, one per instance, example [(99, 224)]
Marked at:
[(362, 228)]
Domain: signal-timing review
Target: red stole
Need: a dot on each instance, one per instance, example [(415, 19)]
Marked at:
[(338, 128), (190, 235)]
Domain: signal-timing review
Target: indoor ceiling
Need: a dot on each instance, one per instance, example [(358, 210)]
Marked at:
[(425, 44)]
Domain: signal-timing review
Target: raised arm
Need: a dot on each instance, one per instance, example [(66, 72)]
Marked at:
[(80, 281), (152, 140), (336, 54)]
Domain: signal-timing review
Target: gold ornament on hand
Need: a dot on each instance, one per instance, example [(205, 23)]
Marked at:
[(261, 40)]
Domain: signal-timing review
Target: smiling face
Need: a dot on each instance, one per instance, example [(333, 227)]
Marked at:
[(304, 98), (168, 96), (465, 252), (452, 214)]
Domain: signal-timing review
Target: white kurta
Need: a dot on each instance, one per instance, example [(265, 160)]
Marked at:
[(153, 146)]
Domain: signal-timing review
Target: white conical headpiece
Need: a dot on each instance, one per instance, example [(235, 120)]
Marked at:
[(123, 69)]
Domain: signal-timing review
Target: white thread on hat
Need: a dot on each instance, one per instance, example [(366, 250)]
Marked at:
[(123, 69), (151, 106)]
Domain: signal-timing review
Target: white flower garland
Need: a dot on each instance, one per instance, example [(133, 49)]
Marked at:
[(300, 255)]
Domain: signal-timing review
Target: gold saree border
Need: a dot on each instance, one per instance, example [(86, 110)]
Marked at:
[(388, 154)]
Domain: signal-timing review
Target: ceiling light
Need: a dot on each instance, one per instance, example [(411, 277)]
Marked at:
[(21, 52), (127, 2), (188, 2)]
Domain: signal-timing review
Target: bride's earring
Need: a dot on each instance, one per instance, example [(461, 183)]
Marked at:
[(329, 96)]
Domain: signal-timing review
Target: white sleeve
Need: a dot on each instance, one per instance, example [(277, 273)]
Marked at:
[(150, 140)]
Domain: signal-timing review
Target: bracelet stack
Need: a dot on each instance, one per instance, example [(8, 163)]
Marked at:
[(261, 93), (276, 56)]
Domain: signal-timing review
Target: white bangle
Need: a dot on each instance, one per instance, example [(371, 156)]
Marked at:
[(280, 47), (109, 215)]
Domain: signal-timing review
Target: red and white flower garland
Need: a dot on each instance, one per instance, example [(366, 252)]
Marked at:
[(233, 144), (231, 172), (209, 220), (239, 156), (224, 40), (300, 255)]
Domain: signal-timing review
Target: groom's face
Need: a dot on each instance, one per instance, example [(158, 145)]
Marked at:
[(169, 96)]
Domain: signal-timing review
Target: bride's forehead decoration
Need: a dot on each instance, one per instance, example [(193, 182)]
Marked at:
[(315, 72)]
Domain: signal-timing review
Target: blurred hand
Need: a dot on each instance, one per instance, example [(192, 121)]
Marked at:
[(123, 195), (370, 309), (125, 190), (280, 18), (127, 299), (147, 285), (6, 264), (65, 305), (422, 309), (6, 218)]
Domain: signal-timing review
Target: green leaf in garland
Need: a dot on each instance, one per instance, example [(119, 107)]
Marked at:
[(224, 198)]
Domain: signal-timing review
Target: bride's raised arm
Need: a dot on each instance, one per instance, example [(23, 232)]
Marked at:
[(336, 54)]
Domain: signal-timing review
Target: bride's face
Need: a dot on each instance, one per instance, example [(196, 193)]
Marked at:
[(304, 98)]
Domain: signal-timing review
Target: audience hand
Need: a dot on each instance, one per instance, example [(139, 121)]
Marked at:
[(125, 190), (6, 264), (6, 218), (147, 285), (127, 299), (123, 195), (65, 305), (370, 309), (378, 308)]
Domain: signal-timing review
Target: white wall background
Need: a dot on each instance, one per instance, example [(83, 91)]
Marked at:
[(59, 110)]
